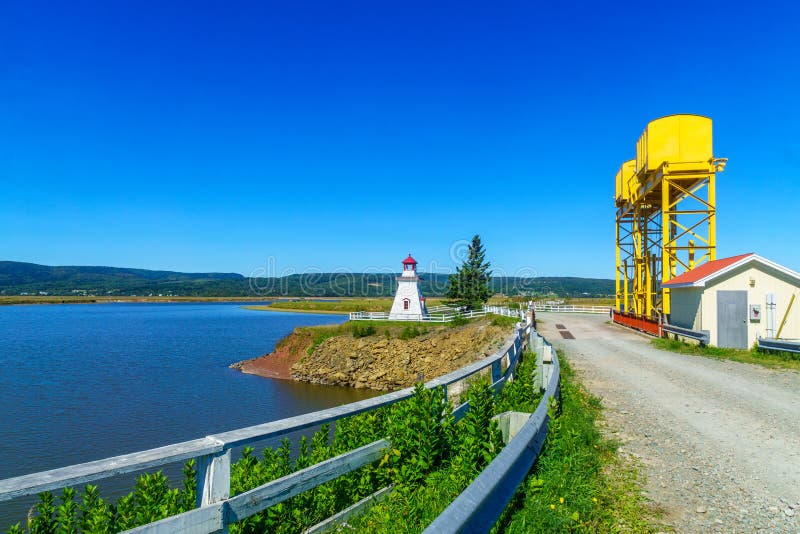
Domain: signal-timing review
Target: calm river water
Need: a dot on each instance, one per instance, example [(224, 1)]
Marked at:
[(83, 382)]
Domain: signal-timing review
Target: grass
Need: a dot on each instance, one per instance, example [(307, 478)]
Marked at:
[(504, 321), (773, 360), (579, 483)]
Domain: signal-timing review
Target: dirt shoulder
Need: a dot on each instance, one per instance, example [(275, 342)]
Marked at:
[(719, 441)]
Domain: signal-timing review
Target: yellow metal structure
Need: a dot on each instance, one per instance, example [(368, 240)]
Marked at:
[(666, 211)]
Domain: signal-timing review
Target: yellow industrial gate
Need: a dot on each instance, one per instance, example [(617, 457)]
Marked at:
[(666, 211)]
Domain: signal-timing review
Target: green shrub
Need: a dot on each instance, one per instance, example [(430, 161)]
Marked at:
[(458, 320), (363, 330), (409, 332), (504, 321)]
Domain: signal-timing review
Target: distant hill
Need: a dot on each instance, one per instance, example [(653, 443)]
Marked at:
[(29, 278)]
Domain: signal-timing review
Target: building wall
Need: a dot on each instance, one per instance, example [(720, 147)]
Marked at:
[(685, 307), (765, 280)]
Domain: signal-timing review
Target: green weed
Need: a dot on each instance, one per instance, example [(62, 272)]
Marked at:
[(504, 321), (363, 330), (775, 360), (578, 483)]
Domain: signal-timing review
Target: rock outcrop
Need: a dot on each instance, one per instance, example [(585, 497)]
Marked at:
[(378, 362)]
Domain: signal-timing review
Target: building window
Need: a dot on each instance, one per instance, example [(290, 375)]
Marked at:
[(406, 304)]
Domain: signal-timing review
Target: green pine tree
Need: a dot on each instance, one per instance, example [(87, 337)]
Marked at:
[(469, 285)]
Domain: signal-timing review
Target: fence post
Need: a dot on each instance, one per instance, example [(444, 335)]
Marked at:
[(547, 365), (497, 370), (538, 345), (213, 478)]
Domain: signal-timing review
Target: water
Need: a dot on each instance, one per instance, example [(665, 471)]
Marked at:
[(83, 382)]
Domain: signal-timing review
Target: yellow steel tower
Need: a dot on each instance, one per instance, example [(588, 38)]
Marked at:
[(666, 211)]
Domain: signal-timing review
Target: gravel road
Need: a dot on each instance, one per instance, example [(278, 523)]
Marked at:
[(719, 441)]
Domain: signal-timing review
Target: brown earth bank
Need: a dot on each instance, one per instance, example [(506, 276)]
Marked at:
[(381, 361), (278, 363)]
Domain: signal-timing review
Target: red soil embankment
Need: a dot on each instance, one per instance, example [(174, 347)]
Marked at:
[(278, 363)]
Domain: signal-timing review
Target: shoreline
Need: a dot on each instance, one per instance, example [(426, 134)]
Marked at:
[(278, 363)]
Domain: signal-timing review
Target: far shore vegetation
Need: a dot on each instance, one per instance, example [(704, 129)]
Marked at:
[(773, 360), (69, 299)]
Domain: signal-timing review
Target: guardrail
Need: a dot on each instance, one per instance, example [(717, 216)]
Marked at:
[(479, 506), (570, 309), (216, 509), (701, 336), (783, 345)]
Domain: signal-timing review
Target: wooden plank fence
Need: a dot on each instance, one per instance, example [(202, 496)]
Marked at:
[(216, 509)]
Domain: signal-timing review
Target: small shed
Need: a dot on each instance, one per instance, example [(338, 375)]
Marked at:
[(737, 300)]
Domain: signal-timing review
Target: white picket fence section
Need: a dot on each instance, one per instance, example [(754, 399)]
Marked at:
[(443, 314)]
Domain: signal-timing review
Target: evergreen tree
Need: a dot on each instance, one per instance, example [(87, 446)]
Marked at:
[(469, 286)]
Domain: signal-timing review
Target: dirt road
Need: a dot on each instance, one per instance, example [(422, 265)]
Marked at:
[(719, 441)]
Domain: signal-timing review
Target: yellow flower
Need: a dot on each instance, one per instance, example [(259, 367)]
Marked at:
[(561, 500), (552, 506), (594, 499)]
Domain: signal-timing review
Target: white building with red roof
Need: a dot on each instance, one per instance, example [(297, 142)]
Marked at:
[(737, 300), (409, 304)]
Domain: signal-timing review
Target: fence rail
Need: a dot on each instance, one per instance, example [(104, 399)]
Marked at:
[(215, 507), (570, 309), (442, 314), (784, 345), (702, 336)]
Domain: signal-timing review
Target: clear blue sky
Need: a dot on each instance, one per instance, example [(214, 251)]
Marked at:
[(202, 136)]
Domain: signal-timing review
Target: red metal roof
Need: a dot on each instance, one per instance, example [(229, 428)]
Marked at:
[(408, 260), (706, 270)]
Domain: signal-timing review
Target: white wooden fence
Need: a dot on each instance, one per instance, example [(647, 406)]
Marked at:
[(216, 509), (567, 308), (442, 314)]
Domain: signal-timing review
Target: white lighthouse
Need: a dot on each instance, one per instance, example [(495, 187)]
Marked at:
[(409, 304)]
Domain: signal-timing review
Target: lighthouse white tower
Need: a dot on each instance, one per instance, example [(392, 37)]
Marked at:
[(409, 304)]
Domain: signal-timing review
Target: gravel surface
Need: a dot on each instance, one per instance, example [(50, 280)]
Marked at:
[(719, 440)]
